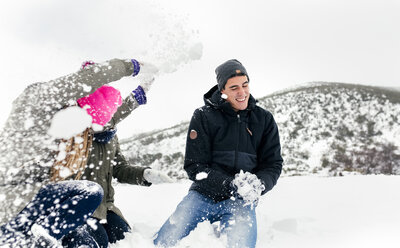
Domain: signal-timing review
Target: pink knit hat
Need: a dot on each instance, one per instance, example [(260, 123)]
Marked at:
[(101, 104)]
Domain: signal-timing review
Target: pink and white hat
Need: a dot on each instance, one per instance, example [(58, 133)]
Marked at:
[(101, 104)]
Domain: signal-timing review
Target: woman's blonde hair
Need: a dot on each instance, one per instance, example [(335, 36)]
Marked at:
[(76, 153)]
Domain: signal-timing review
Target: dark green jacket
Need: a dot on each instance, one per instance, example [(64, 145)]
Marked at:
[(106, 162)]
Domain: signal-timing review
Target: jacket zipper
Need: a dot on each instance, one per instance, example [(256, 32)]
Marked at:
[(237, 141)]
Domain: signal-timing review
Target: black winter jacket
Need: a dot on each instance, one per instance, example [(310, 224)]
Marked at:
[(221, 142)]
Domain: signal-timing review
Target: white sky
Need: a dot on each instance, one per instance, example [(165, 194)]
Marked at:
[(281, 43)]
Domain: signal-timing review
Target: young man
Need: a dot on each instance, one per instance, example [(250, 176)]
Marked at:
[(233, 156)]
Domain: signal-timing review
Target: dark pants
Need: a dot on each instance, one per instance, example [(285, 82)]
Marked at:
[(102, 234), (58, 207)]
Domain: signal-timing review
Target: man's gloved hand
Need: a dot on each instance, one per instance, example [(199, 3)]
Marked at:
[(248, 187), (156, 177)]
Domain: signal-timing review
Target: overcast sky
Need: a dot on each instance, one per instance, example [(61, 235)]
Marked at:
[(282, 43)]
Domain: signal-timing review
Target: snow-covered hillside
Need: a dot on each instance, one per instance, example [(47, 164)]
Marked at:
[(325, 129), (336, 128), (301, 212)]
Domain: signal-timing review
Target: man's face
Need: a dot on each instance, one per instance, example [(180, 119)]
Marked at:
[(238, 92)]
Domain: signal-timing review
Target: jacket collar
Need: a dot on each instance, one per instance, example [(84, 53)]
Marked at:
[(213, 99)]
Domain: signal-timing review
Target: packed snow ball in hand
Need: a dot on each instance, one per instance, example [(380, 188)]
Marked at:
[(248, 187)]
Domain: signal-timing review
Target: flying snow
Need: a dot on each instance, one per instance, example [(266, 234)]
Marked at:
[(69, 122)]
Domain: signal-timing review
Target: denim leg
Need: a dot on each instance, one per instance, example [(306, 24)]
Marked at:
[(193, 209), (116, 227), (60, 207), (239, 223)]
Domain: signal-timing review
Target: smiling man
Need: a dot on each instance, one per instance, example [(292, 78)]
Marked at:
[(233, 156)]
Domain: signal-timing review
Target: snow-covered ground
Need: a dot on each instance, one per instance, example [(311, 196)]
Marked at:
[(351, 211)]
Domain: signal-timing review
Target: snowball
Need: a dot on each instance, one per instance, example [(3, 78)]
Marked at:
[(69, 122), (201, 176), (249, 187)]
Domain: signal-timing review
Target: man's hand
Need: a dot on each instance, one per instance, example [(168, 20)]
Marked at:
[(248, 187), (156, 177)]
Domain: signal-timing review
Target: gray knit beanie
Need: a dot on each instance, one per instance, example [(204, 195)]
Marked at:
[(229, 69)]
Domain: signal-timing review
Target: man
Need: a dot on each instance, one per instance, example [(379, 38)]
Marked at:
[(233, 155)]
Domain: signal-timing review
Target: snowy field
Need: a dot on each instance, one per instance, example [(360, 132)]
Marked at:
[(351, 211)]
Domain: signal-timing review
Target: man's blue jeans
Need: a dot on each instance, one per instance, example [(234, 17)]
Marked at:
[(237, 221)]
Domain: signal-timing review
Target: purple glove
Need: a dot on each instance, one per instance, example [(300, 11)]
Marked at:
[(140, 95), (87, 63), (136, 67)]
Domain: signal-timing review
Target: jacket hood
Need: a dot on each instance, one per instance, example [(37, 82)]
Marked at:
[(213, 99)]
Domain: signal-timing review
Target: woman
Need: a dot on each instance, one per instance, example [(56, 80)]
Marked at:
[(28, 152), (106, 162)]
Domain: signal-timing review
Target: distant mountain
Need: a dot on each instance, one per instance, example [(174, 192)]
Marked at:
[(325, 128)]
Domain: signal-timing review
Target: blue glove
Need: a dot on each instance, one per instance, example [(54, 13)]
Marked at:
[(140, 95), (136, 67)]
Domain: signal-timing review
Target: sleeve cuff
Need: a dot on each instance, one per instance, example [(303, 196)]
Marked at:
[(136, 67)]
